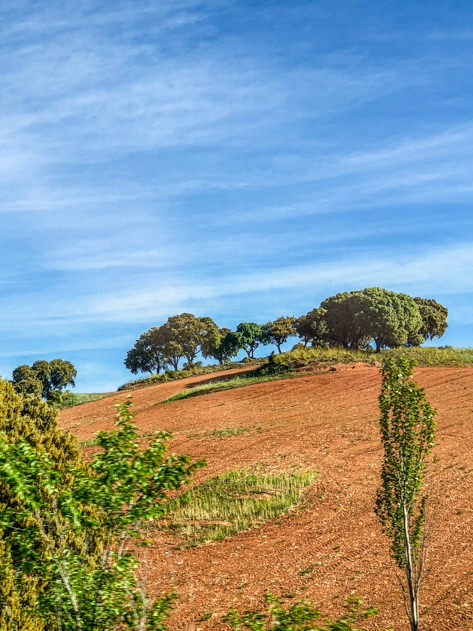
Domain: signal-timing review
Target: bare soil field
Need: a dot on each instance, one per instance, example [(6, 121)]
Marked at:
[(331, 545)]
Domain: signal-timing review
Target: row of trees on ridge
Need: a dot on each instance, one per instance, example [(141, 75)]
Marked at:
[(354, 320)]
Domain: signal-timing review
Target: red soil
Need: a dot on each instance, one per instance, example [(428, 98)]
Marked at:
[(326, 422)]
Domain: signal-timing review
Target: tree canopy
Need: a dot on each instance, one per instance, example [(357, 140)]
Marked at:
[(312, 327), (222, 346), (278, 331), (355, 319), (43, 378), (351, 319), (249, 336), (434, 318), (386, 317), (70, 530), (339, 314), (182, 335)]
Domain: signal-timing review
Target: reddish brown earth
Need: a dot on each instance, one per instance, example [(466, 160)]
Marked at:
[(326, 422)]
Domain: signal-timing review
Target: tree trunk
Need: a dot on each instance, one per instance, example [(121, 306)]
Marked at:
[(413, 597)]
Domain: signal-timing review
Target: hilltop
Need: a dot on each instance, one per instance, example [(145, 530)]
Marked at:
[(331, 544)]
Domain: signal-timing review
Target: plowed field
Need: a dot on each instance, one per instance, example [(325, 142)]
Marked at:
[(332, 544)]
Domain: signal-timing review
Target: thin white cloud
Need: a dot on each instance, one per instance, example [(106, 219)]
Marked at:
[(441, 271)]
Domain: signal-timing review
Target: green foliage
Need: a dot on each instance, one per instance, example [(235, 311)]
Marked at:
[(147, 353), (234, 501), (45, 379), (190, 333), (33, 424), (181, 336), (355, 318), (434, 356), (249, 336), (434, 320), (312, 327), (221, 344), (407, 433), (339, 313), (301, 616), (26, 381), (74, 528), (301, 356), (386, 317), (278, 331)]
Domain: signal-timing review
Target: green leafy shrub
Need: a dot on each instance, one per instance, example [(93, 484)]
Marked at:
[(71, 531)]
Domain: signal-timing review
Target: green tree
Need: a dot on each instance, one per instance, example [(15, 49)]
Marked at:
[(355, 319), (173, 353), (62, 374), (222, 346), (278, 331), (147, 354), (249, 336), (182, 335), (53, 377), (342, 329), (78, 529), (189, 332), (25, 381), (434, 321), (407, 433), (42, 369), (312, 327), (386, 317)]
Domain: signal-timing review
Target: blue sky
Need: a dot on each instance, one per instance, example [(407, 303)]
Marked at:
[(236, 159)]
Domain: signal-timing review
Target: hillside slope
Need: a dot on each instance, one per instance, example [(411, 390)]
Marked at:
[(332, 545)]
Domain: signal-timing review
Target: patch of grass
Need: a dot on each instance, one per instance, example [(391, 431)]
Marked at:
[(435, 356), (238, 382), (87, 443), (302, 356), (223, 433), (71, 399), (232, 502)]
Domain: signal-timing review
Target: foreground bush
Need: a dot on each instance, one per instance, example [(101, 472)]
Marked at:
[(66, 527)]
